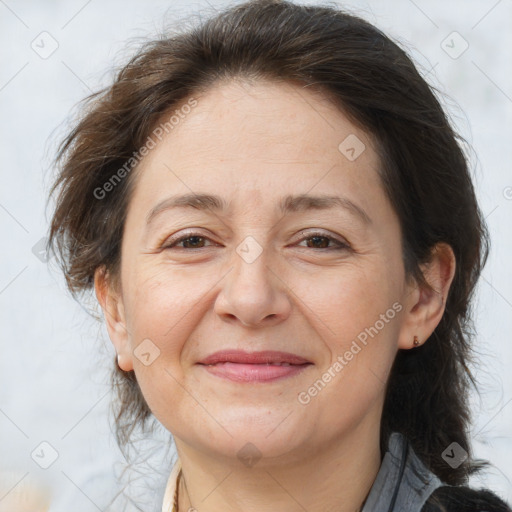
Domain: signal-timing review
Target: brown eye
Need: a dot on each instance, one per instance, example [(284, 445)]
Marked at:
[(190, 241), (318, 242), (194, 241), (321, 241)]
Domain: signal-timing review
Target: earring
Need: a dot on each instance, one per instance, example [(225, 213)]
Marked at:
[(416, 342)]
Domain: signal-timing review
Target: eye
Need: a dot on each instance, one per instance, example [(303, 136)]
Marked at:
[(321, 241), (190, 241), (318, 241)]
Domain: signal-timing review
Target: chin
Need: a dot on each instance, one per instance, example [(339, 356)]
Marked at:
[(264, 433)]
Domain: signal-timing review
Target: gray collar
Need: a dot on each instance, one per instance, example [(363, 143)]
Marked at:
[(403, 483)]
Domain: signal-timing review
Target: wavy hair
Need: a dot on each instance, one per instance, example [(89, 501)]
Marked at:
[(424, 172)]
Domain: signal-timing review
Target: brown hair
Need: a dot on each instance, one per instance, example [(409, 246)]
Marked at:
[(424, 173)]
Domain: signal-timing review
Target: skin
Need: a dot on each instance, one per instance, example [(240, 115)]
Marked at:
[(252, 144)]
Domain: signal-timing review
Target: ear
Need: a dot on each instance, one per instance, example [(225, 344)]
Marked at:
[(424, 308), (113, 311)]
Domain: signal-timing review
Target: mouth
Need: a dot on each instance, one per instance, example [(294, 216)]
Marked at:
[(265, 366)]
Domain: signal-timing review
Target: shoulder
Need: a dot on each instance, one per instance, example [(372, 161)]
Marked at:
[(464, 499)]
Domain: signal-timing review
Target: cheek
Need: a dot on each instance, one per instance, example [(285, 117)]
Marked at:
[(358, 317), (163, 304), (368, 328), (347, 301)]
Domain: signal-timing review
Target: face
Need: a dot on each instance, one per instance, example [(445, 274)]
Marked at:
[(263, 267)]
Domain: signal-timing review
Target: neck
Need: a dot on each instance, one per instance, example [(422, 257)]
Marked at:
[(338, 477)]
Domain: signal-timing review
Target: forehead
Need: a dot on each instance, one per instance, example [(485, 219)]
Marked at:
[(271, 138), (288, 119)]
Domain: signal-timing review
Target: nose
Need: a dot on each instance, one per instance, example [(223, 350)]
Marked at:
[(253, 294)]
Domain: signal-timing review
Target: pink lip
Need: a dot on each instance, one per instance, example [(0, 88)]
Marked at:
[(262, 357), (264, 366)]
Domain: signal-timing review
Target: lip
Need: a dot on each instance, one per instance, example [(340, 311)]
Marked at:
[(261, 357), (264, 366)]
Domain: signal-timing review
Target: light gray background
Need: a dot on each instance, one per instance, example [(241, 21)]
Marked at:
[(53, 367)]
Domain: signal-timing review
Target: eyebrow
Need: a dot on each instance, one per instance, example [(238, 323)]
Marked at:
[(288, 204)]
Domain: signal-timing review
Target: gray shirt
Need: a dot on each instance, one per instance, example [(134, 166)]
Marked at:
[(403, 483)]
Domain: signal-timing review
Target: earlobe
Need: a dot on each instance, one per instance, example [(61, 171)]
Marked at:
[(113, 311), (427, 305)]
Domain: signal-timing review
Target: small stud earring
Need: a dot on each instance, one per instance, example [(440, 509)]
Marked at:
[(416, 342)]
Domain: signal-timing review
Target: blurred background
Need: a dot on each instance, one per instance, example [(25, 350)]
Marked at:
[(56, 441)]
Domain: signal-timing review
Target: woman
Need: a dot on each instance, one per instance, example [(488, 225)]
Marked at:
[(281, 229)]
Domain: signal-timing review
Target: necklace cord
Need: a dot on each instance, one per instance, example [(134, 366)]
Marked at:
[(175, 507), (405, 451)]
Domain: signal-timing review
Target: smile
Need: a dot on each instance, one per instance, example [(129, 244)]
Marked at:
[(263, 372)]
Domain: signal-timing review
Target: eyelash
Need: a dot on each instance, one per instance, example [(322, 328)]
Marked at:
[(340, 245)]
